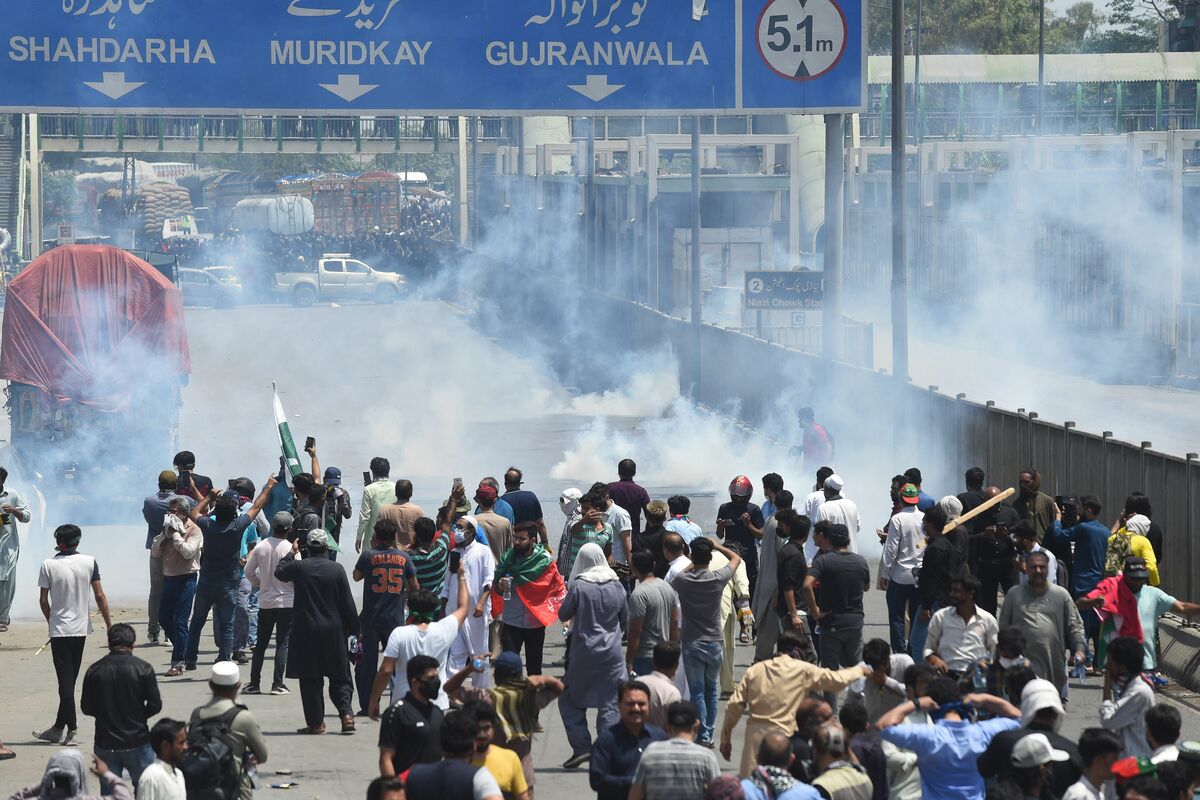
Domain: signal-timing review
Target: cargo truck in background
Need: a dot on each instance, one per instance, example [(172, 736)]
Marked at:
[(95, 354)]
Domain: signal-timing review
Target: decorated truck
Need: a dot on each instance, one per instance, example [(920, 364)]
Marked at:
[(95, 354)]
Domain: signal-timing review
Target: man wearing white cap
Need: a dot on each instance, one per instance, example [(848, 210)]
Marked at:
[(223, 710), (838, 510), (1033, 757), (323, 617)]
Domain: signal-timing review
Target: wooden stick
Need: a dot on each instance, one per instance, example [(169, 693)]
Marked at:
[(979, 509)]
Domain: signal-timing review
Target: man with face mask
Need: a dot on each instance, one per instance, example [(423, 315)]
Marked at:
[(529, 590), (478, 570), (410, 730)]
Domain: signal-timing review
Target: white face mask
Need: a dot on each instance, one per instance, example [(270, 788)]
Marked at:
[(1009, 663), (459, 536)]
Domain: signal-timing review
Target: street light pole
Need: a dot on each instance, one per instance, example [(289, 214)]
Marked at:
[(1041, 62), (899, 252)]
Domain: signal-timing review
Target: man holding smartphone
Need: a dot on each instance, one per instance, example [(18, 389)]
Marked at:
[(377, 493)]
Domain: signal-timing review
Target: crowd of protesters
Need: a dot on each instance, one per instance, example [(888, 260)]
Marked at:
[(991, 602)]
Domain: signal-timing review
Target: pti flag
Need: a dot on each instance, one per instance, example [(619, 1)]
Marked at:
[(536, 580), (286, 444)]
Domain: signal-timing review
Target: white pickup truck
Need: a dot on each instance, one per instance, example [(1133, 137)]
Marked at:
[(339, 277)]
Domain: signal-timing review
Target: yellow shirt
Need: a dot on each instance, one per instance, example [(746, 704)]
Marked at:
[(505, 766), (1140, 546), (773, 690)]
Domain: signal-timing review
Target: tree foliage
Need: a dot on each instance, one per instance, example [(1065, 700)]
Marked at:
[(992, 27)]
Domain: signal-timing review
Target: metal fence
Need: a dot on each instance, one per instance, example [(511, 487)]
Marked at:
[(926, 426)]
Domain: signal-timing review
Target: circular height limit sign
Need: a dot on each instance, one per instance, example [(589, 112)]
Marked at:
[(801, 39)]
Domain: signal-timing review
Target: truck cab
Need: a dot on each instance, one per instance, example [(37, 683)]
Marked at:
[(339, 276)]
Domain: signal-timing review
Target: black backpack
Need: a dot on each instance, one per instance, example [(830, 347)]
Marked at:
[(212, 768)]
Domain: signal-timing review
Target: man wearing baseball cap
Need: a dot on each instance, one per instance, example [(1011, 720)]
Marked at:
[(497, 529), (1033, 758), (323, 617), (337, 505), (1112, 595), (224, 681), (902, 553)]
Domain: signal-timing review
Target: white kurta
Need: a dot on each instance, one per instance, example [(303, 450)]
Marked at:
[(160, 781), (479, 566)]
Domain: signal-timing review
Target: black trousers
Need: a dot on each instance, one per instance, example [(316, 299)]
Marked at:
[(993, 578), (67, 652), (341, 694), (534, 640), (279, 621)]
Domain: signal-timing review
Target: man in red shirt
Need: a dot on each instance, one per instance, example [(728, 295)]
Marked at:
[(817, 447)]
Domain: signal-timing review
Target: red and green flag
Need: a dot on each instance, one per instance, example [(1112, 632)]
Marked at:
[(536, 580)]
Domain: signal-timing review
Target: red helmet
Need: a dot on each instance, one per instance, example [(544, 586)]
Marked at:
[(741, 486)]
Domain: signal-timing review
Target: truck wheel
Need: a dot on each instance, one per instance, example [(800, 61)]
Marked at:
[(224, 301), (304, 296), (386, 294)]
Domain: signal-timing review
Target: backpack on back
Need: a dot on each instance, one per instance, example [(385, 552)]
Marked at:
[(1115, 554), (212, 768)]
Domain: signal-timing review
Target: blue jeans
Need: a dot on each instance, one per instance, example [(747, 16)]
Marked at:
[(133, 760), (174, 609), (702, 665), (245, 619), (900, 599), (919, 633), (221, 599)]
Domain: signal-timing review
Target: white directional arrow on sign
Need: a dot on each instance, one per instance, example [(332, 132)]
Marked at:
[(596, 88), (349, 87), (114, 85)]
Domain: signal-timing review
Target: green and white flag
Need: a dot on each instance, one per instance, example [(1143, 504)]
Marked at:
[(286, 444)]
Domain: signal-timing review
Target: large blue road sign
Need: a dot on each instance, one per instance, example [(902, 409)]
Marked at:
[(413, 56)]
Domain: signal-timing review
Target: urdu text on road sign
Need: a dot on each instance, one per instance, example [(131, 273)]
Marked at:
[(412, 56)]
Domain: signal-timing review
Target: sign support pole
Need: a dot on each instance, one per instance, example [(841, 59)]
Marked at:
[(461, 200), (589, 218), (35, 189), (695, 271), (899, 254), (835, 189)]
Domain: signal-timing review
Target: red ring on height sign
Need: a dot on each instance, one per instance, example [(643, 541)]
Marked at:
[(834, 63)]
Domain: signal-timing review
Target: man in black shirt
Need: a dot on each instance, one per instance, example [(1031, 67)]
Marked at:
[(791, 569), (410, 729), (938, 565), (992, 551), (837, 605), (190, 484), (121, 692), (740, 524), (973, 497)]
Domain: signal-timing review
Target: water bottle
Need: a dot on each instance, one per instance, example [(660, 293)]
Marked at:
[(507, 588)]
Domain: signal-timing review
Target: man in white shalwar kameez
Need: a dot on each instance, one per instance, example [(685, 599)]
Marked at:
[(479, 566)]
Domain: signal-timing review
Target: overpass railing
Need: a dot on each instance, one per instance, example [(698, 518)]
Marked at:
[(244, 128)]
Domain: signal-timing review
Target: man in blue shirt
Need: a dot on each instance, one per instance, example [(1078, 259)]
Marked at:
[(617, 751), (1090, 537), (924, 501), (771, 779), (948, 749), (502, 507), (220, 567), (525, 504)]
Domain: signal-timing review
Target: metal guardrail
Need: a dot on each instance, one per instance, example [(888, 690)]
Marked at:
[(944, 434)]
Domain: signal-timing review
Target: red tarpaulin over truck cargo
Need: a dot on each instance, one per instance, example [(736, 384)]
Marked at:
[(92, 324)]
